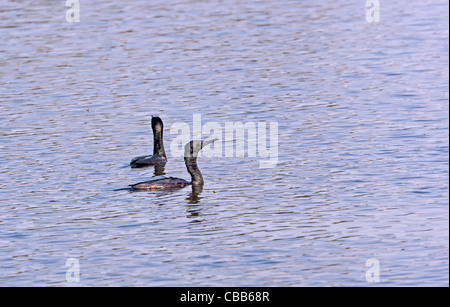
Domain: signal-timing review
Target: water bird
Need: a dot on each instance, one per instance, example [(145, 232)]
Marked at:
[(159, 155), (190, 159)]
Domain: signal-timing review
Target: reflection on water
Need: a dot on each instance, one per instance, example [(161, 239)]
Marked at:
[(362, 111), (158, 170), (194, 196)]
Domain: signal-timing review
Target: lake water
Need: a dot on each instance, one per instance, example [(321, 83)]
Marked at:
[(363, 134)]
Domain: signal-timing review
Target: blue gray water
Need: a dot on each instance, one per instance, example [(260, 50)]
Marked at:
[(362, 169)]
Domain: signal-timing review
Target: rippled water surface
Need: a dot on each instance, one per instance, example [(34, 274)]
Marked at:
[(362, 113)]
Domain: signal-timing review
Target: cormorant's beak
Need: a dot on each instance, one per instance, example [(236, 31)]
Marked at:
[(204, 143)]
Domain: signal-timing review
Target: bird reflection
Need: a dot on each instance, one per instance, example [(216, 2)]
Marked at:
[(159, 170), (193, 209), (193, 197)]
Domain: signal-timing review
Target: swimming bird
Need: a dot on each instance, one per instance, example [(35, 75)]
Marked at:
[(159, 155), (190, 159)]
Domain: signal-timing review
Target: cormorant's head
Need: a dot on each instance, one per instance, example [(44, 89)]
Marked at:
[(158, 146), (193, 147), (157, 124)]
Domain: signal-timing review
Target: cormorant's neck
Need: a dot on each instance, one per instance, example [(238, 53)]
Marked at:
[(191, 165), (158, 146)]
